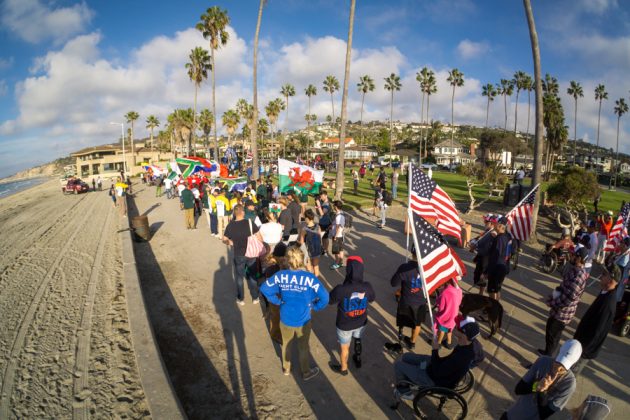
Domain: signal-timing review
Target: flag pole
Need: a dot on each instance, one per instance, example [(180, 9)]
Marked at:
[(408, 223), (421, 270)]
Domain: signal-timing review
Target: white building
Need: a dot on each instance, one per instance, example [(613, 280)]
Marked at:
[(333, 143), (445, 154)]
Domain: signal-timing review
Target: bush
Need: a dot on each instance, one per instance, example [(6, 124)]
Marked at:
[(574, 187)]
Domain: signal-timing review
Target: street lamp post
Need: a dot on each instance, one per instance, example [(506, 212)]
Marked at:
[(122, 131)]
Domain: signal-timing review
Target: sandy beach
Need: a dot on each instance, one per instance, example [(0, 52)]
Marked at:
[(221, 359), (65, 345)]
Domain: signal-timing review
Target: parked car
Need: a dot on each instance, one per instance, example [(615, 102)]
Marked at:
[(431, 166), (75, 186)]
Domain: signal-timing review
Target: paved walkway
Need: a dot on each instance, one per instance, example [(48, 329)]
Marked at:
[(223, 363)]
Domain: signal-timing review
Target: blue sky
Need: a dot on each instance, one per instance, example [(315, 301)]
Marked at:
[(68, 68)]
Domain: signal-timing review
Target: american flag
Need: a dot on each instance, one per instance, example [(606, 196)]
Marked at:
[(619, 230), (520, 217), (428, 200), (437, 260)]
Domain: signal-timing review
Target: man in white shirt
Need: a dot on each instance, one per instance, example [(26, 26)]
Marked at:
[(168, 185), (337, 233), (520, 175)]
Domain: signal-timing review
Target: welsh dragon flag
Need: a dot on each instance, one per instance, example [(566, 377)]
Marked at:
[(301, 178)]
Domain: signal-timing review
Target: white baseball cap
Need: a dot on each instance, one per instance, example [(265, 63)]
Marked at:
[(569, 353)]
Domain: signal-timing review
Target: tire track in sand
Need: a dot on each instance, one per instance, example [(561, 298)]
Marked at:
[(18, 342), (82, 356), (33, 237)]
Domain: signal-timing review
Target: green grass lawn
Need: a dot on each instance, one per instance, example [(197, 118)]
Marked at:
[(455, 186)]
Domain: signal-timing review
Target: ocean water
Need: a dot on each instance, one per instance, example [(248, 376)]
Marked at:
[(8, 188)]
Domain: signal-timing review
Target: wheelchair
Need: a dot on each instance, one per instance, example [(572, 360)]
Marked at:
[(437, 402)]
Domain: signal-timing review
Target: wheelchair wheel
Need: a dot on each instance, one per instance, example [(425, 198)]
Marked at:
[(466, 384), (440, 403), (548, 263)]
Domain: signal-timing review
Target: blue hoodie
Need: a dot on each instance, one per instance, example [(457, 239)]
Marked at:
[(296, 292)]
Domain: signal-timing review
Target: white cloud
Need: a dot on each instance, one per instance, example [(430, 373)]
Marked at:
[(6, 63), (597, 6), (468, 49), (75, 90), (33, 21)]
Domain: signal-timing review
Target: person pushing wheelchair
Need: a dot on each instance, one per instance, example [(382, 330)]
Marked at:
[(436, 371)]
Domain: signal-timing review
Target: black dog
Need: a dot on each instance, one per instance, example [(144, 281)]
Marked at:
[(491, 308)]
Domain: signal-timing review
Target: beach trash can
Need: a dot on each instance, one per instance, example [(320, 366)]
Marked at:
[(140, 227)]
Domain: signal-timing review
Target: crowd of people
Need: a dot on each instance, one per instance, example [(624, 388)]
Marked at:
[(278, 242)]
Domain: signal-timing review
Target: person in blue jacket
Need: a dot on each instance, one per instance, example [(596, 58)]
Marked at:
[(297, 292), (352, 298)]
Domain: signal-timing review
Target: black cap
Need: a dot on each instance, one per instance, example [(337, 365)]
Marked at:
[(582, 252)]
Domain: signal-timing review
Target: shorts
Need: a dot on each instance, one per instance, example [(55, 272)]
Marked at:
[(410, 316), (326, 230), (442, 328), (344, 337), (496, 275), (337, 246)]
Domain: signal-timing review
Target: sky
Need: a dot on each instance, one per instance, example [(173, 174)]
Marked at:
[(68, 68)]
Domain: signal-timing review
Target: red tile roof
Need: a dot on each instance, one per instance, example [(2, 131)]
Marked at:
[(336, 140)]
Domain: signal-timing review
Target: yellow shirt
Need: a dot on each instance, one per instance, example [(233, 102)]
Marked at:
[(226, 204)]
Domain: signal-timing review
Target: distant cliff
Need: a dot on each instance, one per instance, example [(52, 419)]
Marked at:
[(54, 168)]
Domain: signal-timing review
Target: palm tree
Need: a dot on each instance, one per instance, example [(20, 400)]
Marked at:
[(392, 84), (255, 126), (273, 110), (182, 121), (489, 91), (365, 85), (213, 26), (430, 87), (263, 129), (600, 95), (538, 144), (519, 83), (152, 122), (505, 89), (310, 91), (197, 72), (456, 79), (246, 113), (131, 117), (230, 120), (621, 107), (331, 85), (206, 119), (286, 91), (528, 85), (575, 90), (344, 107), (423, 78)]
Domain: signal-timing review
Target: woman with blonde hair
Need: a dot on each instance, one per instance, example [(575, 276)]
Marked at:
[(297, 292)]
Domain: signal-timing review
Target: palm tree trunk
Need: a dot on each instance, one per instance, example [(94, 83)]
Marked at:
[(575, 132), (361, 139), (284, 135), (538, 145), (421, 128), (529, 97), (426, 143), (615, 162), (599, 116), (254, 134), (452, 122), (487, 111), (516, 112), (151, 138), (308, 131), (391, 126), (194, 129), (344, 108), (505, 111), (214, 108)]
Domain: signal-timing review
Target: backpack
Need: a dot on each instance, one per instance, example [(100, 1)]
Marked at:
[(347, 220), (313, 242), (387, 198)]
